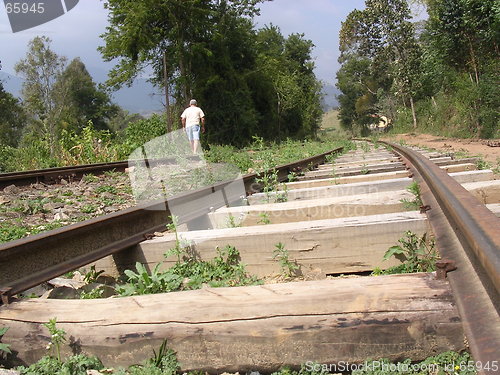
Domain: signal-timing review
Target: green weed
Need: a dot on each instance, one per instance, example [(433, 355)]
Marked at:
[(289, 268), (143, 282), (190, 273), (11, 232), (231, 222), (92, 294), (416, 202), (496, 170), (417, 255), (74, 365), (292, 176), (4, 348), (177, 249), (264, 218), (106, 189), (365, 147), (89, 208), (482, 164), (57, 337), (90, 178), (92, 275), (451, 363)]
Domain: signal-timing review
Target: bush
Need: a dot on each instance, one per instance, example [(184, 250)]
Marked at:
[(140, 132), (89, 146)]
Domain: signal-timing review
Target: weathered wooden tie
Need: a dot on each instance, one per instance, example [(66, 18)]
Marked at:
[(320, 247), (257, 328), (462, 177), (481, 188)]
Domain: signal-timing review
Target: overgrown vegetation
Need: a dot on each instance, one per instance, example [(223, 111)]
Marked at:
[(29, 211), (267, 76), (438, 75), (163, 362), (57, 337), (189, 272), (417, 254)]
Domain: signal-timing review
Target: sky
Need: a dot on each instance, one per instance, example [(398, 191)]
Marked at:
[(76, 33)]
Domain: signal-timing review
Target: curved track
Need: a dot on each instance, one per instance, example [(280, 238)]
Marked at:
[(312, 227)]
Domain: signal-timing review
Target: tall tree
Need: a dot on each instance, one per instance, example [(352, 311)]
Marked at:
[(12, 118), (288, 67), (463, 38), (383, 34), (41, 69), (141, 33), (80, 100), (211, 51), (465, 32)]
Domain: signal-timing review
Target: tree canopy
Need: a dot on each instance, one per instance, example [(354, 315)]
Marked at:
[(59, 96), (443, 76), (246, 85)]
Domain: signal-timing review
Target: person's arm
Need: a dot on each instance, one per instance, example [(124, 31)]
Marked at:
[(203, 124), (183, 120)]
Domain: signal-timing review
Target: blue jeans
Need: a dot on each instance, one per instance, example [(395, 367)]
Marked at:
[(193, 132)]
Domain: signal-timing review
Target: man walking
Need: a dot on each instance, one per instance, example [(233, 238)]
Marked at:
[(191, 118)]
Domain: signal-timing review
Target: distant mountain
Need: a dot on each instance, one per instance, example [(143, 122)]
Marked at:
[(329, 100), (141, 97)]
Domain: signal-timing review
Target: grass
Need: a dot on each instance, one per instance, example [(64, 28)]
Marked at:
[(13, 230), (416, 202), (188, 273), (330, 124), (261, 156)]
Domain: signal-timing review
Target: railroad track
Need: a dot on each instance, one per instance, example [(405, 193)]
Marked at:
[(337, 219), (70, 173)]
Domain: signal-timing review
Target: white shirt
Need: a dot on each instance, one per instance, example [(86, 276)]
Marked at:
[(192, 115)]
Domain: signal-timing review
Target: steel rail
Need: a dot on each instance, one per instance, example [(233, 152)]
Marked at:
[(52, 175), (476, 280), (30, 261)]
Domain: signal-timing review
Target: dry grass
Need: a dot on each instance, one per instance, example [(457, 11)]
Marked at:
[(330, 124)]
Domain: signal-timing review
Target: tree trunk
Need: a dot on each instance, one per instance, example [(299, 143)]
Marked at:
[(434, 101), (167, 98), (473, 61), (413, 112)]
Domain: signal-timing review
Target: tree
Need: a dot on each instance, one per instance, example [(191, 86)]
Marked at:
[(358, 93), (288, 67), (210, 51), (12, 118), (465, 32), (462, 39), (383, 35), (80, 100), (141, 33), (41, 69)]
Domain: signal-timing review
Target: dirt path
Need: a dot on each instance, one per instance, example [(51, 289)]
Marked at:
[(471, 147)]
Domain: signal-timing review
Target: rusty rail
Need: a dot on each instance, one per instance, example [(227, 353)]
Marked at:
[(54, 175), (33, 260), (460, 219)]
